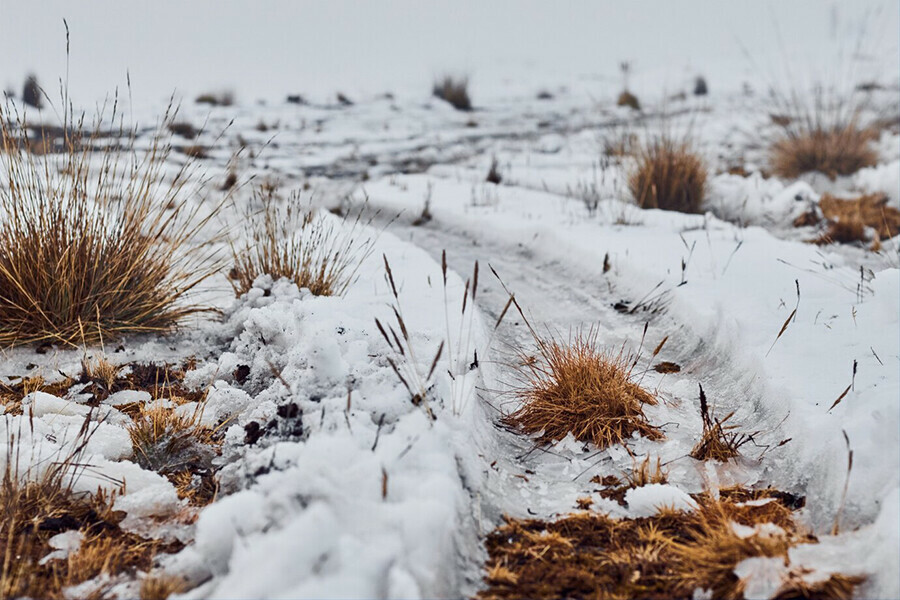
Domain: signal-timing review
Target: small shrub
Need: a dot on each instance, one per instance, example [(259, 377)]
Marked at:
[(669, 175), (183, 129), (580, 389), (31, 92), (700, 88), (230, 180), (628, 99), (94, 244), (296, 242), (454, 91), (493, 175), (195, 151)]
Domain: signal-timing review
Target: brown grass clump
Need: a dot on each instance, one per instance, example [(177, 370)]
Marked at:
[(580, 389), (825, 134), (851, 220), (719, 441), (589, 555), (160, 587), (670, 175), (224, 98), (12, 394), (183, 129), (38, 506), (628, 99), (454, 91), (295, 242), (640, 475), (94, 244), (195, 151), (833, 151)]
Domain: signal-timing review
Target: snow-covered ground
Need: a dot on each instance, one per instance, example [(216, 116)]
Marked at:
[(334, 483)]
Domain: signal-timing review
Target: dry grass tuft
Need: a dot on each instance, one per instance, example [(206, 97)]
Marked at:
[(195, 151), (160, 587), (670, 175), (837, 150), (39, 505), (454, 91), (12, 394), (224, 98), (296, 242), (95, 243), (628, 99), (183, 129), (178, 447), (640, 475), (589, 555), (580, 389), (494, 175), (825, 134), (851, 220), (719, 441)]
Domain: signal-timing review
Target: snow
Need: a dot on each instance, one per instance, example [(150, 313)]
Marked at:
[(648, 500), (359, 493)]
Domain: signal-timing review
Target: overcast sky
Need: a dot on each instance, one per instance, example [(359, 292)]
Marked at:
[(265, 49)]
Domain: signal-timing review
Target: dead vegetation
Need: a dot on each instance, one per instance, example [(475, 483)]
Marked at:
[(32, 95), (576, 387), (293, 240), (641, 474), (720, 440), (454, 91), (96, 242), (670, 175), (628, 99), (223, 98), (494, 175), (183, 129), (867, 218), (670, 555), (825, 134), (39, 505), (177, 446)]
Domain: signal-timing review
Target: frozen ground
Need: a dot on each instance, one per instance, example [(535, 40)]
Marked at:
[(356, 492)]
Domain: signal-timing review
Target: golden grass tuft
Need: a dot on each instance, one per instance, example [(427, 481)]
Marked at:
[(39, 505), (178, 447), (850, 220), (578, 388), (641, 474), (589, 555), (720, 440), (161, 586), (831, 149), (628, 99), (454, 91), (669, 175), (96, 242), (223, 98), (296, 242)]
